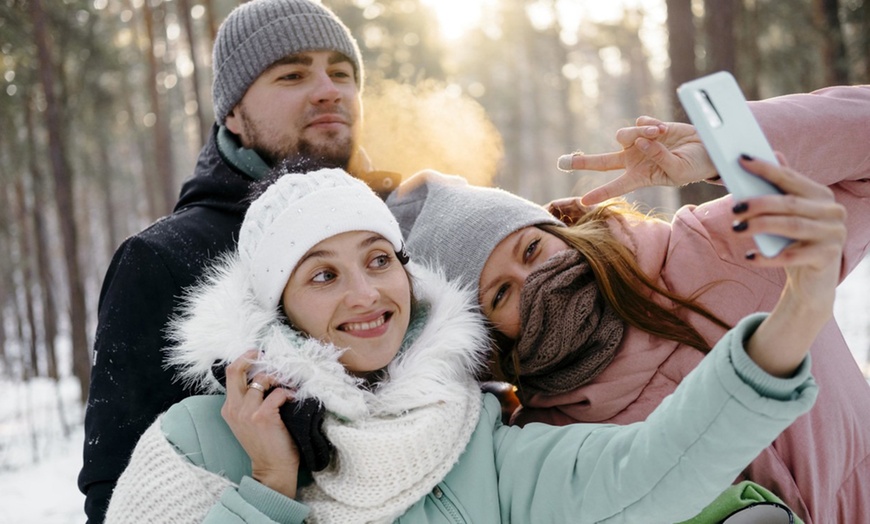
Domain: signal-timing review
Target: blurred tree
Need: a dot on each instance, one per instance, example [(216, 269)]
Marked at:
[(862, 23), (834, 59), (721, 44), (25, 268), (164, 195), (40, 230), (196, 91), (396, 38), (681, 48), (63, 186)]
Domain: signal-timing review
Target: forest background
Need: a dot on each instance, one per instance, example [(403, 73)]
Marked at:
[(104, 105)]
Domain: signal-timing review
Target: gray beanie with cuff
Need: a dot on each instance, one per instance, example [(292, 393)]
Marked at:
[(258, 33), (453, 226)]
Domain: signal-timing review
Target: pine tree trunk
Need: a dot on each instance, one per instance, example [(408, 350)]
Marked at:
[(162, 142), (211, 20), (720, 17), (184, 12), (834, 60), (63, 189), (681, 48), (25, 266), (43, 263)]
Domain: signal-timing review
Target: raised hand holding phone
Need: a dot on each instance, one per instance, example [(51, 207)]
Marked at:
[(718, 110)]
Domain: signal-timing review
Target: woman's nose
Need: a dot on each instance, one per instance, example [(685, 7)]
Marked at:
[(361, 291)]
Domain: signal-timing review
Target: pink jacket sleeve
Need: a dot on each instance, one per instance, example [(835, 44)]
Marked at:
[(826, 135)]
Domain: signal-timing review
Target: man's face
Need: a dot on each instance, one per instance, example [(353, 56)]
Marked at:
[(305, 104)]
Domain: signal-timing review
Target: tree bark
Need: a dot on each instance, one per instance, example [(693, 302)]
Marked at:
[(162, 140), (63, 189), (750, 52), (211, 20), (834, 60), (25, 266), (864, 47), (43, 262), (719, 20), (681, 45), (184, 11), (681, 48)]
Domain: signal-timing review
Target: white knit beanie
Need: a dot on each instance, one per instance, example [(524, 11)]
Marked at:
[(454, 226), (258, 33), (297, 212)]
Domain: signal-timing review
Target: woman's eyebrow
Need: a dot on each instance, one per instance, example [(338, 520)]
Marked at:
[(320, 253)]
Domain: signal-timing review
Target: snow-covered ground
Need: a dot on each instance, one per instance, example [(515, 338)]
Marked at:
[(38, 476)]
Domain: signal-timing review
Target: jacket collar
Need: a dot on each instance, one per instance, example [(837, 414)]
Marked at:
[(245, 161)]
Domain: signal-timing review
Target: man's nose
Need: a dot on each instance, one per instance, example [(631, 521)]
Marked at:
[(325, 90)]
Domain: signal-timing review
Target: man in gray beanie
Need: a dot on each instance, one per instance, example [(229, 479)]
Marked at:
[(287, 82)]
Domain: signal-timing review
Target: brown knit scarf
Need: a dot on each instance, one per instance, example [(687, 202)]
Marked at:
[(570, 333)]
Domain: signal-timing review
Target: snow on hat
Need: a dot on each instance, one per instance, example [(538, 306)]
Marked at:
[(297, 212)]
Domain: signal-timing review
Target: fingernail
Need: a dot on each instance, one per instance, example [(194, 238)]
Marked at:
[(750, 255), (565, 162), (739, 225), (740, 207), (642, 144), (746, 157), (651, 131)]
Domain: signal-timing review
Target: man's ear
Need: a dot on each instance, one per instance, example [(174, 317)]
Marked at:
[(233, 123)]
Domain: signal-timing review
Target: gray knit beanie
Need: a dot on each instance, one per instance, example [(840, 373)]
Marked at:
[(258, 33), (296, 213), (453, 226)]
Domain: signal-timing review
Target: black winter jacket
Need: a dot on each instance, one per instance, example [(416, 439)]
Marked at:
[(149, 271)]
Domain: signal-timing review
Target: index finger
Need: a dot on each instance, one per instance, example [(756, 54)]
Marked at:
[(594, 162), (237, 371)]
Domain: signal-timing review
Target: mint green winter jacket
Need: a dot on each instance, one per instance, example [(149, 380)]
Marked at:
[(663, 470)]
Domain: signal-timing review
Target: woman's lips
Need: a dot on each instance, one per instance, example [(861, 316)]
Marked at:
[(369, 328)]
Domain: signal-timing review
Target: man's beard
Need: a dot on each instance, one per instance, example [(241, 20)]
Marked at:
[(327, 154)]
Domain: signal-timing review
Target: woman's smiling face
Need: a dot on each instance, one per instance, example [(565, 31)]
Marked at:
[(505, 273), (351, 290)]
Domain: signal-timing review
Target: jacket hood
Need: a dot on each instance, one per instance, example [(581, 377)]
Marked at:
[(220, 319)]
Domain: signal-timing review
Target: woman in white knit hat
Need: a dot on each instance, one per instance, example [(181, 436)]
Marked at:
[(599, 322), (318, 307)]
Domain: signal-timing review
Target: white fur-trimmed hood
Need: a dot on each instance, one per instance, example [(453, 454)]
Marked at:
[(220, 319)]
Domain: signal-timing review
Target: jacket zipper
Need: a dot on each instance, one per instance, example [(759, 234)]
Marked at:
[(449, 506)]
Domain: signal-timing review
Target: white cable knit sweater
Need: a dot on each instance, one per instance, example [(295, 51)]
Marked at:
[(393, 443)]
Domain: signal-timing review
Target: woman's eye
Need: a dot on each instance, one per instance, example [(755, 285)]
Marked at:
[(323, 276), (380, 261), (499, 295), (530, 251)]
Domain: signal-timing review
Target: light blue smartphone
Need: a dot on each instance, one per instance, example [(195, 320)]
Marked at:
[(718, 110)]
